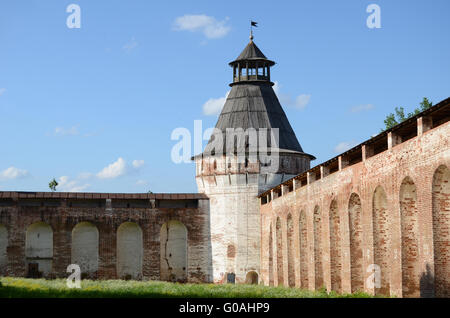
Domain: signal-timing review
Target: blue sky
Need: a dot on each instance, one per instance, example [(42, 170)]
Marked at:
[(95, 107)]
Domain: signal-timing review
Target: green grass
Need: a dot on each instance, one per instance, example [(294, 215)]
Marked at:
[(26, 288)]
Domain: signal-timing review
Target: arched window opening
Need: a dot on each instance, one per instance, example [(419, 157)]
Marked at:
[(251, 278)]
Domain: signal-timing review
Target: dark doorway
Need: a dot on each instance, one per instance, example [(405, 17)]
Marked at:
[(33, 270), (231, 278)]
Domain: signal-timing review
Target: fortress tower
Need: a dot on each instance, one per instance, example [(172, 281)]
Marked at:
[(233, 169)]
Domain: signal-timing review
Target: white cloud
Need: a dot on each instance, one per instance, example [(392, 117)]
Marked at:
[(213, 106), (119, 168), (114, 170), (141, 182), (361, 108), (85, 175), (209, 26), (299, 102), (138, 163), (302, 100), (67, 185), (2, 91), (283, 98), (72, 131), (344, 146), (130, 45), (13, 173), (79, 188)]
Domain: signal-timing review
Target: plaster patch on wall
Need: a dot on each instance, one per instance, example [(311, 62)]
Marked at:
[(129, 251), (85, 247), (173, 242)]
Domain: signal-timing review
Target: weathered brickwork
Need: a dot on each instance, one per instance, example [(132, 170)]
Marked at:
[(290, 249), (356, 234), (108, 235), (317, 249), (441, 229), (383, 205), (303, 246)]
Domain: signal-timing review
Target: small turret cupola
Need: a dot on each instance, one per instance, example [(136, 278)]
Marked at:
[(251, 66)]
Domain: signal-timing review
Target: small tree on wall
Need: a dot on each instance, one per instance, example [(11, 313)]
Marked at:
[(53, 184)]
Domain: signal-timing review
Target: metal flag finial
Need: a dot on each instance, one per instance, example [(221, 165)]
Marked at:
[(252, 24)]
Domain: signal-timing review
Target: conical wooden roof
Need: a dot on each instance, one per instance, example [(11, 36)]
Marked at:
[(254, 104), (251, 51)]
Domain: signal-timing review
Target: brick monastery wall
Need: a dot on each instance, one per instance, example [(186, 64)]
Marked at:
[(141, 236), (385, 202)]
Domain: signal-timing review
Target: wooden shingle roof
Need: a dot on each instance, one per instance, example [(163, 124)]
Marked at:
[(251, 51), (255, 105)]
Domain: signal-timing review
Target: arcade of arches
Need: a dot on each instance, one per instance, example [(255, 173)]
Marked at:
[(378, 223)]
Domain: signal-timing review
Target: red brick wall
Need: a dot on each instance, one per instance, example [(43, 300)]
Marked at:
[(441, 230), (392, 208), (410, 239), (317, 248), (356, 252), (290, 250), (335, 247), (63, 218), (279, 253), (304, 254)]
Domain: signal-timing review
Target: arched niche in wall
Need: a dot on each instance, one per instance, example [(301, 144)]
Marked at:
[(335, 247), (303, 245), (174, 251), (409, 220), (290, 251), (279, 250), (85, 248), (129, 251), (355, 234), (381, 225), (271, 282), (441, 231), (318, 263), (3, 246), (251, 278), (39, 249)]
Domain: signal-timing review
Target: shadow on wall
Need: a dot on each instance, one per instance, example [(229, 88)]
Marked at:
[(427, 283)]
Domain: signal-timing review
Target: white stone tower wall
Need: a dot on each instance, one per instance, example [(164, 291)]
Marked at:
[(234, 212)]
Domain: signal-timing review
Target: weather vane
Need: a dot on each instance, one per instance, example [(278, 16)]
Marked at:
[(252, 24)]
